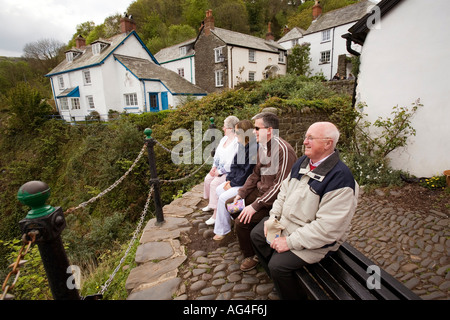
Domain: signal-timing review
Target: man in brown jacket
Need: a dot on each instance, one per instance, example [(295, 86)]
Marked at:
[(274, 163)]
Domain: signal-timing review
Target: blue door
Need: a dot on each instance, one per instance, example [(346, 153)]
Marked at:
[(153, 101), (164, 101)]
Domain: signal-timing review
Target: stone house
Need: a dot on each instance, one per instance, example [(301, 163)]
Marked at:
[(219, 59)]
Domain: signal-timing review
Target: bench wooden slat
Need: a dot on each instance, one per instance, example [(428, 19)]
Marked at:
[(343, 276), (387, 281), (310, 285), (353, 286), (360, 273), (329, 283)]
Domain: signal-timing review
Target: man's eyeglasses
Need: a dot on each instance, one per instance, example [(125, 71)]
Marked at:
[(257, 128), (311, 138)]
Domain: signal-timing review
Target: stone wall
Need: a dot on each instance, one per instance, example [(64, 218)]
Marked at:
[(341, 86), (294, 123)]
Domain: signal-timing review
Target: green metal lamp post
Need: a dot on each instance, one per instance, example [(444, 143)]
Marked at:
[(48, 222)]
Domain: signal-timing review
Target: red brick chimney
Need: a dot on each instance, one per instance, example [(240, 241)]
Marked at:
[(80, 42), (269, 34), (209, 22), (316, 10), (127, 25)]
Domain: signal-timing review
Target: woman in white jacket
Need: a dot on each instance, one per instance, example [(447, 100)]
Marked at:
[(223, 157)]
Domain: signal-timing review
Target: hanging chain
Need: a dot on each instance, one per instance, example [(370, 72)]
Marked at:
[(136, 232), (111, 187), (16, 265)]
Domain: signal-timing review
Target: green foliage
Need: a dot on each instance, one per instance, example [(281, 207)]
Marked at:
[(365, 152), (27, 109), (32, 283), (299, 59), (435, 182)]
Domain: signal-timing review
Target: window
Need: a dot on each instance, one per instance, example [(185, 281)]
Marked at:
[(64, 104), (219, 78), (131, 100), (181, 72), (294, 42), (87, 77), (281, 57), (218, 55), (251, 76), (183, 51), (90, 102), (75, 103), (61, 83), (97, 47), (326, 35), (251, 55), (325, 57)]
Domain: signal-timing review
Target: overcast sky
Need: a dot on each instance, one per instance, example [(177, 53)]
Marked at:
[(26, 21)]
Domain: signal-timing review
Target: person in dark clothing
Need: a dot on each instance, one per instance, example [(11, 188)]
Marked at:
[(274, 162), (242, 166)]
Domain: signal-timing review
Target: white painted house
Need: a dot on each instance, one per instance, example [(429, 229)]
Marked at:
[(405, 58), (118, 74), (179, 58), (328, 49)]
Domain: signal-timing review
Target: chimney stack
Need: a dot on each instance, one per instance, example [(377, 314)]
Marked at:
[(127, 24), (269, 34), (80, 42), (316, 10), (209, 22)]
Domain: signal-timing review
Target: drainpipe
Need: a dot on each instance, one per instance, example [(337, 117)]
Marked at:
[(145, 97), (332, 54), (347, 37)]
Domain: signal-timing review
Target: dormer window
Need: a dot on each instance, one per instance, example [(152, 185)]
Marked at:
[(71, 55), (183, 51), (98, 46)]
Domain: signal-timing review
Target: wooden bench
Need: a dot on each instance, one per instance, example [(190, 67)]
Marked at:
[(343, 275)]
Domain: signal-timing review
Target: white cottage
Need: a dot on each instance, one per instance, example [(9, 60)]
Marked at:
[(118, 74), (404, 58), (328, 49)]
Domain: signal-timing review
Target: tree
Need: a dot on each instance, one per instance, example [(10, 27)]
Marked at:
[(27, 108), (44, 54), (298, 60)]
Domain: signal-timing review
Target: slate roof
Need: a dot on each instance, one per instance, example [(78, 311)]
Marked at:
[(146, 70), (247, 41), (173, 52), (338, 17), (88, 59), (295, 33)]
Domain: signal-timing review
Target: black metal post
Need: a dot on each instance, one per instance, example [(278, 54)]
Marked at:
[(150, 142), (49, 222), (213, 138)]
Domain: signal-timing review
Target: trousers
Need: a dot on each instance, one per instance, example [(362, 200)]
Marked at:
[(280, 267), (243, 229)]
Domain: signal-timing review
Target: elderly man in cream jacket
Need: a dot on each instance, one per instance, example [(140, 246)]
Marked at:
[(314, 208)]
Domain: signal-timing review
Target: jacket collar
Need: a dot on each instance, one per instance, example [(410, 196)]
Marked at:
[(321, 171)]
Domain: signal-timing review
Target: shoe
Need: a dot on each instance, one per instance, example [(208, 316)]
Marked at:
[(210, 221), (248, 264), (218, 237), (206, 209)]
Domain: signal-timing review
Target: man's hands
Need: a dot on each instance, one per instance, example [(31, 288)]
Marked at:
[(246, 215), (278, 244)]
